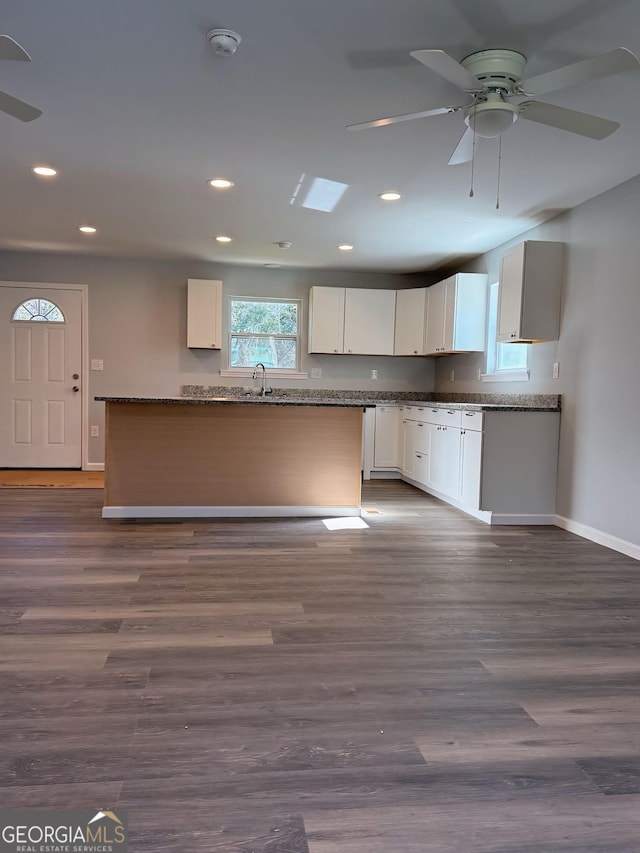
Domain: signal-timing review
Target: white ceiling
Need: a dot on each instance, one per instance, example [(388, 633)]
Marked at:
[(139, 112)]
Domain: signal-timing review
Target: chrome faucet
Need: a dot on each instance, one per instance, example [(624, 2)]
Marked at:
[(265, 390)]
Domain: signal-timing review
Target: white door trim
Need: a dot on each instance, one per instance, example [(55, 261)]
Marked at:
[(83, 289)]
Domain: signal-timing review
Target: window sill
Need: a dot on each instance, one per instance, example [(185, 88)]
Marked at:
[(274, 373), (506, 376)]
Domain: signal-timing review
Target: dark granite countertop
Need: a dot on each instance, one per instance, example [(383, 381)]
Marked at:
[(249, 400), (284, 399)]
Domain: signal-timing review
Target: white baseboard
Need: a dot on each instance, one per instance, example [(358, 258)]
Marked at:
[(229, 511), (522, 518), (599, 537), (385, 475), (93, 466)]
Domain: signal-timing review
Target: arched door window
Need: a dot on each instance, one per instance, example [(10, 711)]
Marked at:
[(39, 311)]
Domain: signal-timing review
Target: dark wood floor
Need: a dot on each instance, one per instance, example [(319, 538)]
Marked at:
[(426, 684)]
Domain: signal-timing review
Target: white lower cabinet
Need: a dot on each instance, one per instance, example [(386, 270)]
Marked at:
[(470, 467), (500, 466), (386, 445), (410, 430)]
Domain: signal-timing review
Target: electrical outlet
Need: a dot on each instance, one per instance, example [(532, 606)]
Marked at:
[(316, 372), (95, 431), (556, 369), (97, 364), (452, 376), (374, 374)]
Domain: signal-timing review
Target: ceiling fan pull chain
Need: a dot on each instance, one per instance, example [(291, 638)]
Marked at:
[(473, 155), (499, 165)]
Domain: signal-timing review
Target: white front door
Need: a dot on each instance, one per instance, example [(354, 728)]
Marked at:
[(40, 377)]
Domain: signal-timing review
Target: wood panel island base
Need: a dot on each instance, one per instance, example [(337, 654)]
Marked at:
[(189, 458)]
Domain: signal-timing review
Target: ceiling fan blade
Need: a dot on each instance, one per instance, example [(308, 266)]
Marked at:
[(381, 122), (614, 62), (463, 152), (18, 109), (10, 49), (582, 123), (447, 67)]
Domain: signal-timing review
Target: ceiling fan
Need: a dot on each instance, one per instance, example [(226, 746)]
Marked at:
[(493, 80), (10, 49)]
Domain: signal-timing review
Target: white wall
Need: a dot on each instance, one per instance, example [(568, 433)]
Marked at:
[(137, 325), (599, 357)]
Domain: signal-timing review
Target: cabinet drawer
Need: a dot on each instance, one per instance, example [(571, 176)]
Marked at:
[(472, 420), (414, 413), (444, 417), (422, 437)]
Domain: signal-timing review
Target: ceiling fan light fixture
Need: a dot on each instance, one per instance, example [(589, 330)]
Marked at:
[(491, 119)]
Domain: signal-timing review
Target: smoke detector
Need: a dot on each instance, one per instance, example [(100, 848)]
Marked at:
[(224, 42)]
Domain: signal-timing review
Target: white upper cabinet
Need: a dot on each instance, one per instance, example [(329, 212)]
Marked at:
[(529, 292), (369, 321), (351, 320), (411, 319), (204, 314), (456, 314), (326, 319)]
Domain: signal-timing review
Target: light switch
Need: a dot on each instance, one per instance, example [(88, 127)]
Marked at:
[(97, 364), (316, 372)]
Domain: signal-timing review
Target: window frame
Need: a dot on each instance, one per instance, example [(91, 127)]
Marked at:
[(290, 372), (493, 371)]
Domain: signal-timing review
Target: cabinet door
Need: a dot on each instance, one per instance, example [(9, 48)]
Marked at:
[(408, 455), (451, 486), (449, 314), (369, 321), (470, 468), (437, 458), (204, 314), (436, 295), (410, 321), (510, 292), (326, 319), (387, 437)]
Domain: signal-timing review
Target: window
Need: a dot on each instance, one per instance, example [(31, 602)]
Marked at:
[(504, 361), (264, 330), (38, 310)]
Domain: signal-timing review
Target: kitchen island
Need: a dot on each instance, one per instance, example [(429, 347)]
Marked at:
[(231, 457)]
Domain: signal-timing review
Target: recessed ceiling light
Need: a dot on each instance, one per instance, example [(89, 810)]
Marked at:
[(345, 247), (44, 171), (222, 238), (220, 183), (389, 195), (87, 229)]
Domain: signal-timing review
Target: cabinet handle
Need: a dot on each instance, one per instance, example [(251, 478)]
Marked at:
[(449, 412), (470, 414), (335, 350), (415, 352)]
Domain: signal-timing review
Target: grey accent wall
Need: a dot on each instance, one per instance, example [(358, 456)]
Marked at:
[(599, 357), (137, 325)]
